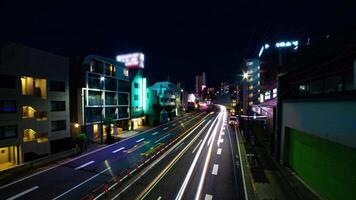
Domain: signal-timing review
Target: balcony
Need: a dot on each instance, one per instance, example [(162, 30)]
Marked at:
[(29, 112), (31, 135)]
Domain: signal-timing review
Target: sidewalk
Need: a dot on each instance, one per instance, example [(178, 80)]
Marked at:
[(127, 134), (270, 179)]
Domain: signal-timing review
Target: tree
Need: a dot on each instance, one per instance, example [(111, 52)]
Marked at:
[(81, 141), (109, 138)]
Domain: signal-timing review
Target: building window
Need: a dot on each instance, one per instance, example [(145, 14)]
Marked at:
[(316, 87), (58, 105), (57, 86), (34, 86), (8, 106), (110, 84), (110, 98), (123, 112), (136, 85), (126, 72), (94, 115), (267, 95), (274, 93), (349, 82), (7, 81), (123, 99), (94, 81), (111, 112), (333, 84), (94, 98), (136, 97), (58, 125), (303, 89), (9, 131), (124, 86), (110, 70)]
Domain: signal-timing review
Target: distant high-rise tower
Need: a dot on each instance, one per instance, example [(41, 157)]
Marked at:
[(200, 84)]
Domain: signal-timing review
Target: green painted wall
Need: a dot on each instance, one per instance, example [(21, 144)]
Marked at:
[(328, 167)]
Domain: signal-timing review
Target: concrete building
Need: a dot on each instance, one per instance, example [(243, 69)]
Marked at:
[(34, 105), (200, 85), (168, 95), (138, 107), (316, 117), (100, 89)]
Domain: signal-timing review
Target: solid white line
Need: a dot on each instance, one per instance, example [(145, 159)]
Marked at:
[(215, 169), (23, 193), (242, 166), (160, 158), (86, 154), (140, 140), (117, 150), (207, 160), (82, 183), (155, 133), (84, 165), (197, 146), (192, 166), (208, 197), (219, 151), (165, 128)]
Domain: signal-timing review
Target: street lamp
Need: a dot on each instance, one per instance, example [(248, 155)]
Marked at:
[(102, 79), (245, 76)]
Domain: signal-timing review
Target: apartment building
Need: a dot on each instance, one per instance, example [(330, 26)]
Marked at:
[(100, 88), (169, 99), (34, 104)]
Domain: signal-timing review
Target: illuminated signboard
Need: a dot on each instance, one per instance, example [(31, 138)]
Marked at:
[(132, 60)]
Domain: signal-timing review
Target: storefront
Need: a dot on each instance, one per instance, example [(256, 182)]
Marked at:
[(9, 157), (137, 122)]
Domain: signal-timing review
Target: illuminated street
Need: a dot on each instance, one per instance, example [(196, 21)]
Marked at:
[(80, 176), (146, 100)]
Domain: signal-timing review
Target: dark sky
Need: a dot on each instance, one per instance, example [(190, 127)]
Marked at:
[(179, 40)]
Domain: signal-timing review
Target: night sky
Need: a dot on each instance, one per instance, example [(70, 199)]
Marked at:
[(179, 40)]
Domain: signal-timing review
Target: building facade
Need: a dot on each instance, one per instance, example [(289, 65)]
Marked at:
[(34, 105), (169, 100), (200, 85), (316, 118), (100, 89)]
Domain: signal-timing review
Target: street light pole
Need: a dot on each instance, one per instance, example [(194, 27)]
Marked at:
[(102, 78)]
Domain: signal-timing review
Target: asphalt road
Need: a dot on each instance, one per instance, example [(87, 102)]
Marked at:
[(203, 166), (80, 176)]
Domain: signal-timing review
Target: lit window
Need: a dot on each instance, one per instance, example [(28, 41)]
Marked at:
[(126, 72), (34, 86), (274, 95), (267, 95), (261, 98)]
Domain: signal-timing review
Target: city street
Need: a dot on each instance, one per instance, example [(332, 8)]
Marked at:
[(78, 177), (204, 167)]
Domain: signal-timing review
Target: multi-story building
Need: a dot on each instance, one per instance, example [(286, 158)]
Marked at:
[(316, 117), (100, 89), (168, 98), (224, 88), (138, 105), (34, 105), (200, 85)]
